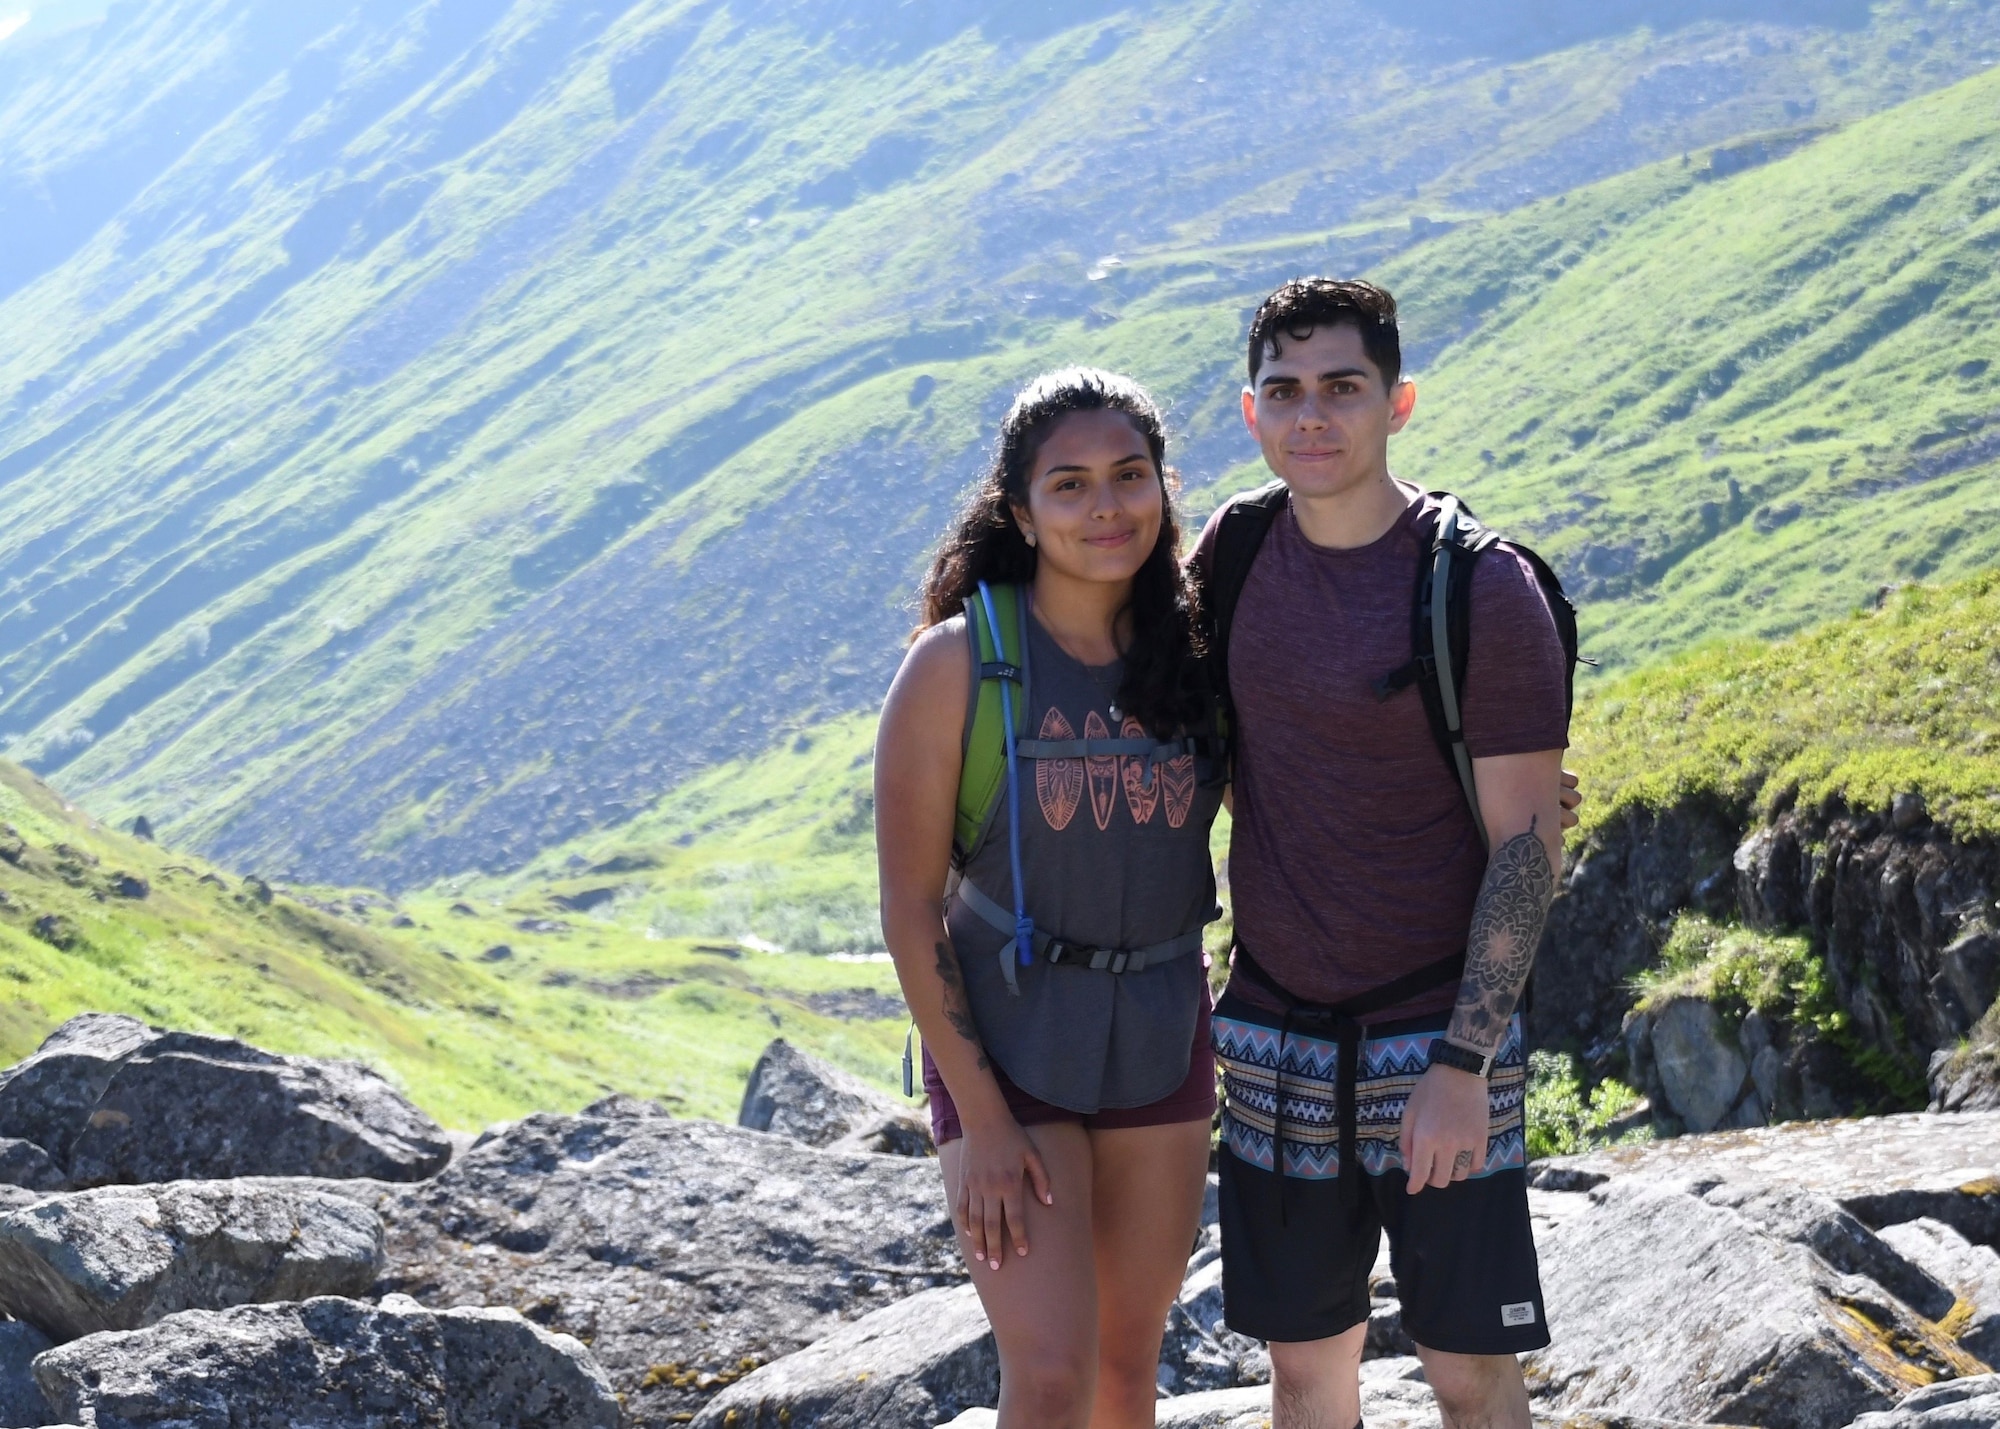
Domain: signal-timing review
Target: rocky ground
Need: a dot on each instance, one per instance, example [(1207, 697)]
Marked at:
[(316, 1255)]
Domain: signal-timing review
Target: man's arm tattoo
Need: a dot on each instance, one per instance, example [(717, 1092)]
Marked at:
[(956, 1010), (1506, 929)]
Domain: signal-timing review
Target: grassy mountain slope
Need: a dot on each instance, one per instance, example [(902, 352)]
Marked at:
[(1754, 402), (93, 920), (429, 432), (1903, 697), (1900, 699)]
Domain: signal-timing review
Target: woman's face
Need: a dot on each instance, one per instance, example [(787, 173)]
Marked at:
[(1095, 502)]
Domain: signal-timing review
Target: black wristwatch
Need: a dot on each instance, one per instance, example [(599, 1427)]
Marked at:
[(1450, 1054)]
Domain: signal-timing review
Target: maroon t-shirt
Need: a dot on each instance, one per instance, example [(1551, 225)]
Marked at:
[(1353, 859)]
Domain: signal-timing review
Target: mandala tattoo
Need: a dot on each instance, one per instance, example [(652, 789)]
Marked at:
[(957, 1011), (1506, 929)]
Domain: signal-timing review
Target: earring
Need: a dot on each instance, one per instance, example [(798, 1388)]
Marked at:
[(1029, 537)]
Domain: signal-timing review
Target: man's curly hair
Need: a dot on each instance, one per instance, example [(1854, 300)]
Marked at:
[(1304, 305)]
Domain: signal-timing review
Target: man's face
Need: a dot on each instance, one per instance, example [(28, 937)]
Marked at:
[(1322, 415)]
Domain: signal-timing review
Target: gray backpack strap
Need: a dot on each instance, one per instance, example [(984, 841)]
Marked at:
[(1443, 550)]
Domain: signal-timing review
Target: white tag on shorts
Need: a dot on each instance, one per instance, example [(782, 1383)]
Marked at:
[(1521, 1314)]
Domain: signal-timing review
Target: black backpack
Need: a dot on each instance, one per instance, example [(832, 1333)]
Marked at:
[(1446, 569)]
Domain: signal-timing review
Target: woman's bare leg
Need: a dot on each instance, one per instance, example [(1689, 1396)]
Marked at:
[(1147, 1202), (1043, 1305)]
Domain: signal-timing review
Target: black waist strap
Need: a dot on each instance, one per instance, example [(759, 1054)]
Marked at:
[(1341, 1022)]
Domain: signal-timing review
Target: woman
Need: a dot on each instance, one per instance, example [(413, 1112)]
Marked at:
[(1086, 1089)]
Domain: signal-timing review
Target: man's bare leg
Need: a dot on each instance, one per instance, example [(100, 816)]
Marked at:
[(1477, 1391), (1316, 1384)]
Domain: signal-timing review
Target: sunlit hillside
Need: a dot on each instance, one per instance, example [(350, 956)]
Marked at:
[(430, 433), (480, 1009)]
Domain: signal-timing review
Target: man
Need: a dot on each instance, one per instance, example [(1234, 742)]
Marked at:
[(1359, 875)]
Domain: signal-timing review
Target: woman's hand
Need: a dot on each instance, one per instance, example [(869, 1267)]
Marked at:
[(1571, 796), (991, 1207)]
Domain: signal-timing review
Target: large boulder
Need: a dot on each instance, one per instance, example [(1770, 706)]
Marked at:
[(1972, 1272), (114, 1101), (670, 1244), (1967, 1078), (1956, 1404), (21, 1403), (331, 1364), (1886, 1169), (1712, 1302), (24, 1164), (1199, 1353), (1703, 1076), (910, 1365), (792, 1093), (122, 1257)]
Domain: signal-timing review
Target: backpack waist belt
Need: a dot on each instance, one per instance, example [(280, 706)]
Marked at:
[(1338, 1022), (1061, 952)]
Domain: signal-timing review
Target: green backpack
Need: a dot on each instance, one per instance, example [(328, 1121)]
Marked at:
[(998, 617)]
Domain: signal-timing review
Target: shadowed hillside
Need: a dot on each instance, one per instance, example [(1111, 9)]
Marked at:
[(430, 432)]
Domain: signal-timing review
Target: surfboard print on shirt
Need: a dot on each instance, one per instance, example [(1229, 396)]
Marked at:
[(1058, 782), (1102, 770), (1142, 780), (1176, 780)]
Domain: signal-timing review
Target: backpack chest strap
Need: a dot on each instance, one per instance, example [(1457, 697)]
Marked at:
[(1153, 751)]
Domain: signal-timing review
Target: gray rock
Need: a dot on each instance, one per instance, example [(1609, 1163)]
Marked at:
[(48, 1098), (117, 1102), (1199, 1352), (12, 1198), (330, 1364), (1700, 1069), (1767, 1071), (21, 1403), (909, 1365), (1885, 1169), (665, 1243), (1957, 1404), (1907, 811), (1972, 1272), (1383, 1406), (24, 1164), (792, 1093), (123, 1257), (1725, 1320), (1839, 1239), (1386, 1403)]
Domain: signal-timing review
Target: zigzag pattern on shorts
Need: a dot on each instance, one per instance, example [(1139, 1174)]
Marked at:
[(1251, 1057)]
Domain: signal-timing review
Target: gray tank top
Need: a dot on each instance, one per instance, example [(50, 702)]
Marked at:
[(1114, 854)]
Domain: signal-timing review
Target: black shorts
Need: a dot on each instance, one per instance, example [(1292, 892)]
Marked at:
[(1296, 1270)]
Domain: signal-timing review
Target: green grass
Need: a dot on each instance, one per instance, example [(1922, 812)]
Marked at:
[(572, 1013), (1563, 1119), (411, 432), (1903, 699), (779, 847), (1740, 971)]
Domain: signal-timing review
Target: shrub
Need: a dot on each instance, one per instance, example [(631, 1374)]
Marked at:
[(1562, 1119)]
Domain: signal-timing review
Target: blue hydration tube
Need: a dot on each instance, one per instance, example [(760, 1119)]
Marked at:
[(1024, 926)]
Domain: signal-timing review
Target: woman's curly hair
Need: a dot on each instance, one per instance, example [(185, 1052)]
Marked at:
[(1162, 686)]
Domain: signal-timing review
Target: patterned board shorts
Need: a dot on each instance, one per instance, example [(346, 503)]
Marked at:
[(1393, 1056)]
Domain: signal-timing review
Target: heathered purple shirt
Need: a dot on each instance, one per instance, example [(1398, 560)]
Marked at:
[(1353, 859)]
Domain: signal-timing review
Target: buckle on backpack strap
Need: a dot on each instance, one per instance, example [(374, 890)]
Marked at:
[(1066, 954)]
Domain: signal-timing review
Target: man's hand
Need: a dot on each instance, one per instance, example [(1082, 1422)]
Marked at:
[(1444, 1128)]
